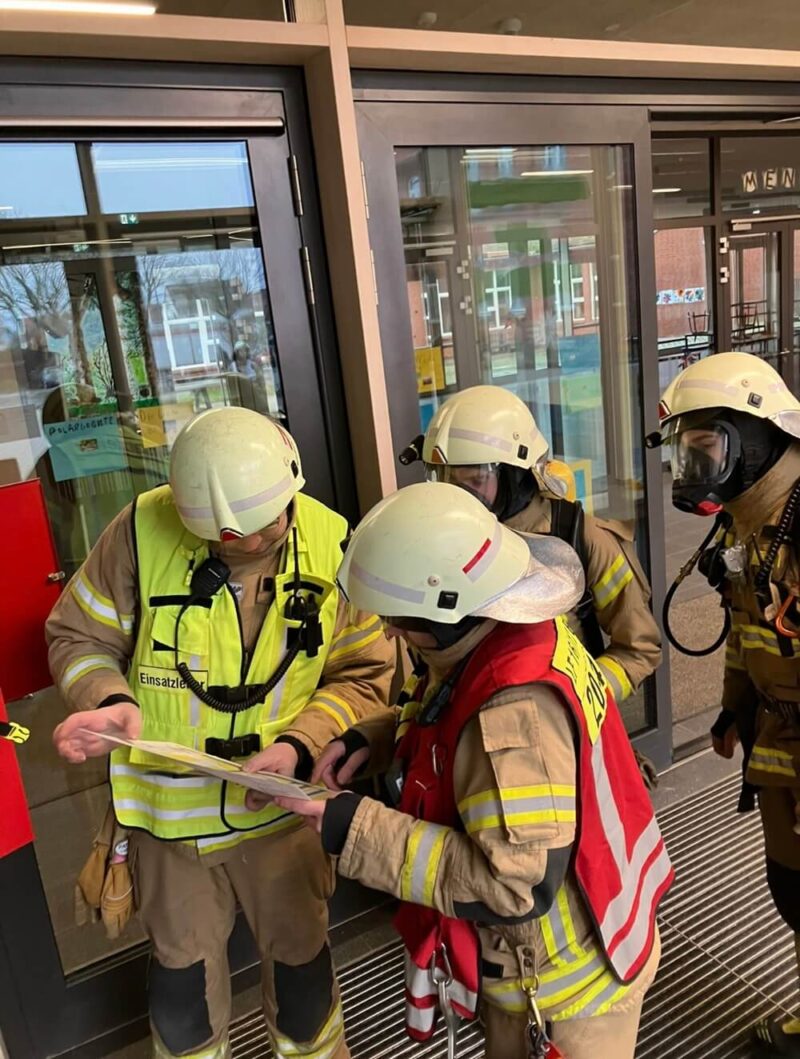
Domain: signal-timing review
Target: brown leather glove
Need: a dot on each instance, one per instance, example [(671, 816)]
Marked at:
[(647, 770), (105, 885)]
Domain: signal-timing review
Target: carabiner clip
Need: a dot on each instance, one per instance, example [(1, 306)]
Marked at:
[(442, 977), (791, 634)]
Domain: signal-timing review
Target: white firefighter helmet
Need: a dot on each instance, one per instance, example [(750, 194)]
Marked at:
[(233, 472), (738, 381), (433, 551), (487, 425)]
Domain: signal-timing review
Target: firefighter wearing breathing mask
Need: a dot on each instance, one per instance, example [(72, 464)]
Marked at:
[(486, 440), (733, 428), (207, 614), (523, 845)]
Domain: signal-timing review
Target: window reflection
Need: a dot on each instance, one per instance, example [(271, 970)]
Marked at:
[(519, 272), (684, 307), (117, 326), (155, 177), (27, 184)]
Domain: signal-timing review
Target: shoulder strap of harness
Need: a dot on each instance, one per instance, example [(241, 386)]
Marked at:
[(566, 523)]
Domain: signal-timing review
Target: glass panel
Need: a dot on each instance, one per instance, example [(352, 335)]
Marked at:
[(520, 273), (152, 177), (684, 311), (755, 292), (760, 173), (27, 187), (681, 178), (115, 328)]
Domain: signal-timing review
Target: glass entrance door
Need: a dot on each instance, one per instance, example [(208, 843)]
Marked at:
[(761, 301), (142, 280), (754, 293), (508, 255)]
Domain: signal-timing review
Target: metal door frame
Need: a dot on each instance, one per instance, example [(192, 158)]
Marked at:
[(42, 1011), (385, 124)]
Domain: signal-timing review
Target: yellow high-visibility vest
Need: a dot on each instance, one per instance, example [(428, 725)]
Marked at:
[(210, 642)]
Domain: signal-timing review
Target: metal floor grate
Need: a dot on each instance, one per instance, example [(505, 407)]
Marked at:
[(728, 957), (727, 960)]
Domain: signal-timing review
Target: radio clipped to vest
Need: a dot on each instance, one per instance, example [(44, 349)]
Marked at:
[(301, 611)]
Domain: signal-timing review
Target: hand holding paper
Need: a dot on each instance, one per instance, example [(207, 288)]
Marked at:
[(198, 763)]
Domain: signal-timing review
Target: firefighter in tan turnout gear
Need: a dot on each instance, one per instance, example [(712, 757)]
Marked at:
[(486, 440), (519, 797), (734, 431), (208, 615)]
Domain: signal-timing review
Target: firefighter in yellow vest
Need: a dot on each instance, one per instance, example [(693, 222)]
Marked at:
[(734, 431), (507, 735), (208, 615), (486, 440)]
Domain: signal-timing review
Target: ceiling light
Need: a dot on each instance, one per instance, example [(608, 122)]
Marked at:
[(79, 7), (559, 172), (756, 212), (666, 191), (82, 242), (622, 187), (427, 20), (511, 27)]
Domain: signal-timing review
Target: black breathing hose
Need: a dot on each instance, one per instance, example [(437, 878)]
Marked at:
[(719, 522), (258, 692)]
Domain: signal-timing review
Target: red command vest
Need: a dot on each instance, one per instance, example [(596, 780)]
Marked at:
[(620, 861)]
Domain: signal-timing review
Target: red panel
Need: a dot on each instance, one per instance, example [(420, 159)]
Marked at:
[(15, 823), (29, 555)]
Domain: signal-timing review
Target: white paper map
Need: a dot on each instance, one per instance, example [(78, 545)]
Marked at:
[(199, 763)]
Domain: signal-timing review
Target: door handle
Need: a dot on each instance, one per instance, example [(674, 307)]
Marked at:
[(57, 576)]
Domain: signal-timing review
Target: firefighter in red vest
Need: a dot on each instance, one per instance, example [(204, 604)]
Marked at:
[(523, 845), (486, 440)]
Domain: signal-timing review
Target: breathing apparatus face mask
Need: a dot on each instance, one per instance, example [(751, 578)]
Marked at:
[(706, 462), (504, 489), (481, 479)]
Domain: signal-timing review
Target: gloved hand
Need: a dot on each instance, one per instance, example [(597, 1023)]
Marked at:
[(724, 736), (647, 770), (341, 760)]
